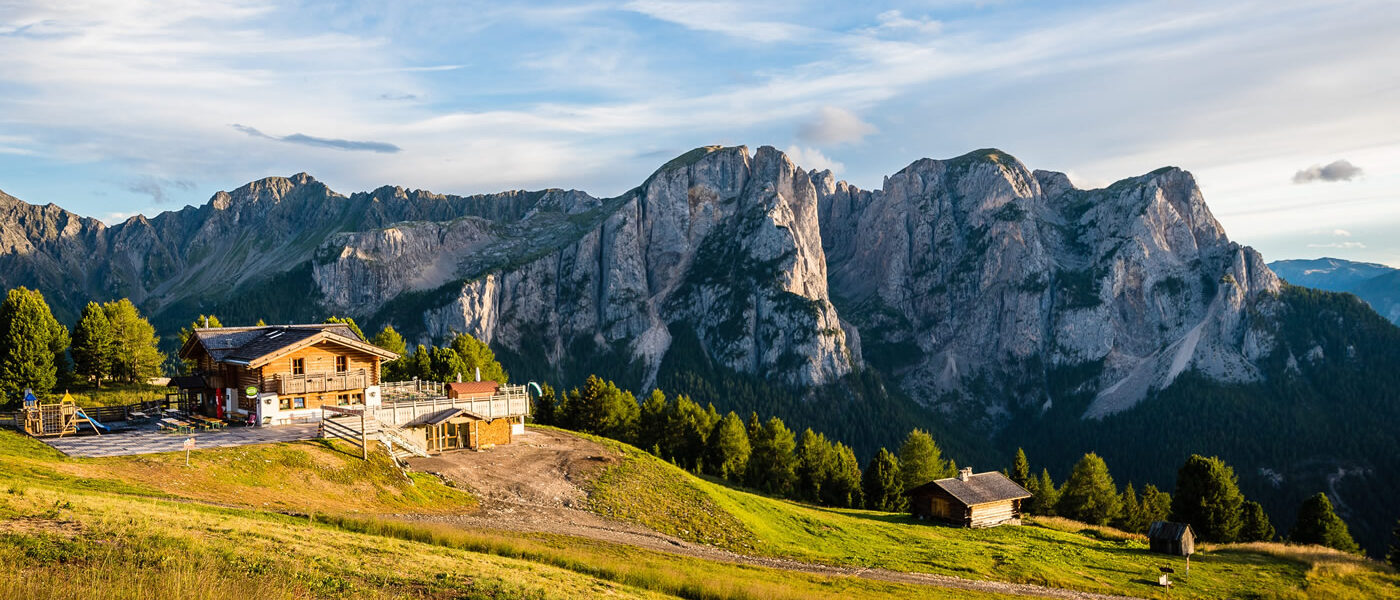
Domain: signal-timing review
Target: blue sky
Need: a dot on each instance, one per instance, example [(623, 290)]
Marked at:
[(1286, 112)]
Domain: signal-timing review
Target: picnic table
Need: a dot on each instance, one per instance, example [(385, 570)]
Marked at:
[(177, 425), (208, 422)]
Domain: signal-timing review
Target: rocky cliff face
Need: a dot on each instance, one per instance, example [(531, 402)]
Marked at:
[(977, 270), (977, 285)]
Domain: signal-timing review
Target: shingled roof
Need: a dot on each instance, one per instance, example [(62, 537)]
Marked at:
[(980, 488), (1167, 530), (245, 345)]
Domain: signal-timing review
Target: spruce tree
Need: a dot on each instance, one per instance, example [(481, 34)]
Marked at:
[(32, 344), (137, 357), (1021, 469), (1318, 524), (602, 409), (420, 364), (1256, 526), (651, 422), (1089, 494), (773, 462), (883, 487), (815, 461), (1047, 496), (1208, 498), (842, 488), (921, 461), (1130, 515), (93, 344), (728, 451), (544, 406), (683, 438)]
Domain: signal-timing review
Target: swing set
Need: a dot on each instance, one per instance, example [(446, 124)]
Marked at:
[(60, 419)]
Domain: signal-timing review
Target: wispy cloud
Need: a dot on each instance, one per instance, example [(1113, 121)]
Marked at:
[(735, 19), (812, 159), (1338, 170), (1339, 245), (158, 187), (832, 125), (307, 140), (1341, 233)]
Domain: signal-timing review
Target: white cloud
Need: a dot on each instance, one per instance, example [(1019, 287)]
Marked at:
[(1342, 245), (812, 159), (1341, 233), (832, 125), (894, 20), (734, 19)]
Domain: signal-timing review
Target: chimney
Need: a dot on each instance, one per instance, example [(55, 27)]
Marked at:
[(965, 473), (206, 321), (459, 377), (478, 373)]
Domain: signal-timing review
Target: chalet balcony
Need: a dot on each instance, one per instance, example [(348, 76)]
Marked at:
[(312, 383)]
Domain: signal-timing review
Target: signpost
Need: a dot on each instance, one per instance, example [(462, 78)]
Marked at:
[(189, 445)]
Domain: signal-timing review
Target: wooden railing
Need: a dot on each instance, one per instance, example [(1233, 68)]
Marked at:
[(509, 401), (317, 382)]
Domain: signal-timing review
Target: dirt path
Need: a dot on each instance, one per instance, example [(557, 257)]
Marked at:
[(535, 484)]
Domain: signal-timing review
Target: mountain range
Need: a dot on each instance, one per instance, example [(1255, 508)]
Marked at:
[(1378, 285), (997, 305)]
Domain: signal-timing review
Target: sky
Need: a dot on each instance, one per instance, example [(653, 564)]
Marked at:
[(1287, 113)]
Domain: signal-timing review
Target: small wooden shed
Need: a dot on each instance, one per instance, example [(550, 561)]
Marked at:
[(980, 500), (1165, 537)]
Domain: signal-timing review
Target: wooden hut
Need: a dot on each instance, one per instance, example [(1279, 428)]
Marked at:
[(1165, 537), (970, 500)]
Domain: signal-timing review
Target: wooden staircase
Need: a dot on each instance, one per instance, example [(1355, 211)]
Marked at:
[(359, 427)]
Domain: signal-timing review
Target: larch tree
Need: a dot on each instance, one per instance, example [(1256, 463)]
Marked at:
[(773, 461), (93, 344), (137, 357), (545, 406), (1318, 524), (1021, 469), (349, 322), (1156, 505), (1089, 494), (476, 354), (921, 461), (32, 344), (883, 487), (390, 340), (1208, 498), (200, 322), (843, 486), (651, 422)]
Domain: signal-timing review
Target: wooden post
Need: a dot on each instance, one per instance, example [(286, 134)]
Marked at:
[(364, 438)]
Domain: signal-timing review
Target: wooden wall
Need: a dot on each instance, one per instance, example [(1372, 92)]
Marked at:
[(320, 358)]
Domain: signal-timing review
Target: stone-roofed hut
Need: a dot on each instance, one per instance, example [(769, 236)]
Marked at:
[(1166, 537), (969, 500)]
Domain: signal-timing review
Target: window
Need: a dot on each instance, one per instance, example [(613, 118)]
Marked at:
[(342, 364), (298, 402), (298, 366), (284, 403), (342, 399)]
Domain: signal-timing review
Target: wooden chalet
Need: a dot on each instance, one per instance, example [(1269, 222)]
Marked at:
[(1166, 537), (969, 500), (275, 375)]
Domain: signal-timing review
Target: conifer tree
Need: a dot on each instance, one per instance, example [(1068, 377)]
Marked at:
[(843, 488), (476, 354), (544, 406), (390, 340), (1156, 505), (1208, 498), (420, 364), (651, 422), (1256, 526), (446, 365), (921, 461), (773, 461), (32, 344), (1047, 496), (728, 449), (815, 461), (93, 344), (136, 357), (883, 487), (1021, 469), (1089, 494), (1318, 524), (683, 438), (1130, 515)]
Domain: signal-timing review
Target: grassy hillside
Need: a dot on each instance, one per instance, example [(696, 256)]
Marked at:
[(307, 520), (1056, 553)]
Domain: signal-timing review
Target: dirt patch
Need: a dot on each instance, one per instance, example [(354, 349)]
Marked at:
[(39, 525)]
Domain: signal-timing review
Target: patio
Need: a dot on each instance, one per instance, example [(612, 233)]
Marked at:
[(146, 439)]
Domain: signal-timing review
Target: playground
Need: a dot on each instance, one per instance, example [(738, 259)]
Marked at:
[(143, 428)]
